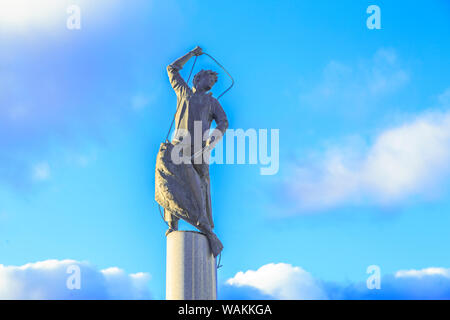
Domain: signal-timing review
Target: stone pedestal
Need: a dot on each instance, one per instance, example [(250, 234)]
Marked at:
[(191, 272)]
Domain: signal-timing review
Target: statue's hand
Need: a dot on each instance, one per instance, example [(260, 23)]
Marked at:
[(210, 142), (197, 51)]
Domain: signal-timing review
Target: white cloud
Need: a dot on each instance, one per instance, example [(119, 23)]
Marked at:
[(47, 280), (26, 15), (23, 13), (423, 273), (120, 284), (281, 280), (402, 161), (41, 171)]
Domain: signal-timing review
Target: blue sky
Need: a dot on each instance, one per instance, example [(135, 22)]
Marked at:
[(364, 126)]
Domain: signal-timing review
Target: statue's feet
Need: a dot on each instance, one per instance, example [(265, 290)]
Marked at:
[(215, 244), (173, 226), (169, 231)]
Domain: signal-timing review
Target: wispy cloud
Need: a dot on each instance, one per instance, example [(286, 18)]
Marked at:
[(405, 160), (82, 159), (444, 98), (357, 85), (423, 273), (53, 97), (41, 171), (141, 101), (48, 280)]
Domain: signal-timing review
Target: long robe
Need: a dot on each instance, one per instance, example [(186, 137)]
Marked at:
[(180, 190)]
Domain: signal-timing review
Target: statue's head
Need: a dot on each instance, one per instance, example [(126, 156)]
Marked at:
[(204, 80)]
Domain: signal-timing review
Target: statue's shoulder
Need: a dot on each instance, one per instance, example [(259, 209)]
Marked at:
[(212, 99)]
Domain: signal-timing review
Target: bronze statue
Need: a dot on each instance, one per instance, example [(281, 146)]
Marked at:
[(183, 187)]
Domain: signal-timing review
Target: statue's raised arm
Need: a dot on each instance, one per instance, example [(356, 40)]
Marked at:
[(176, 80)]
